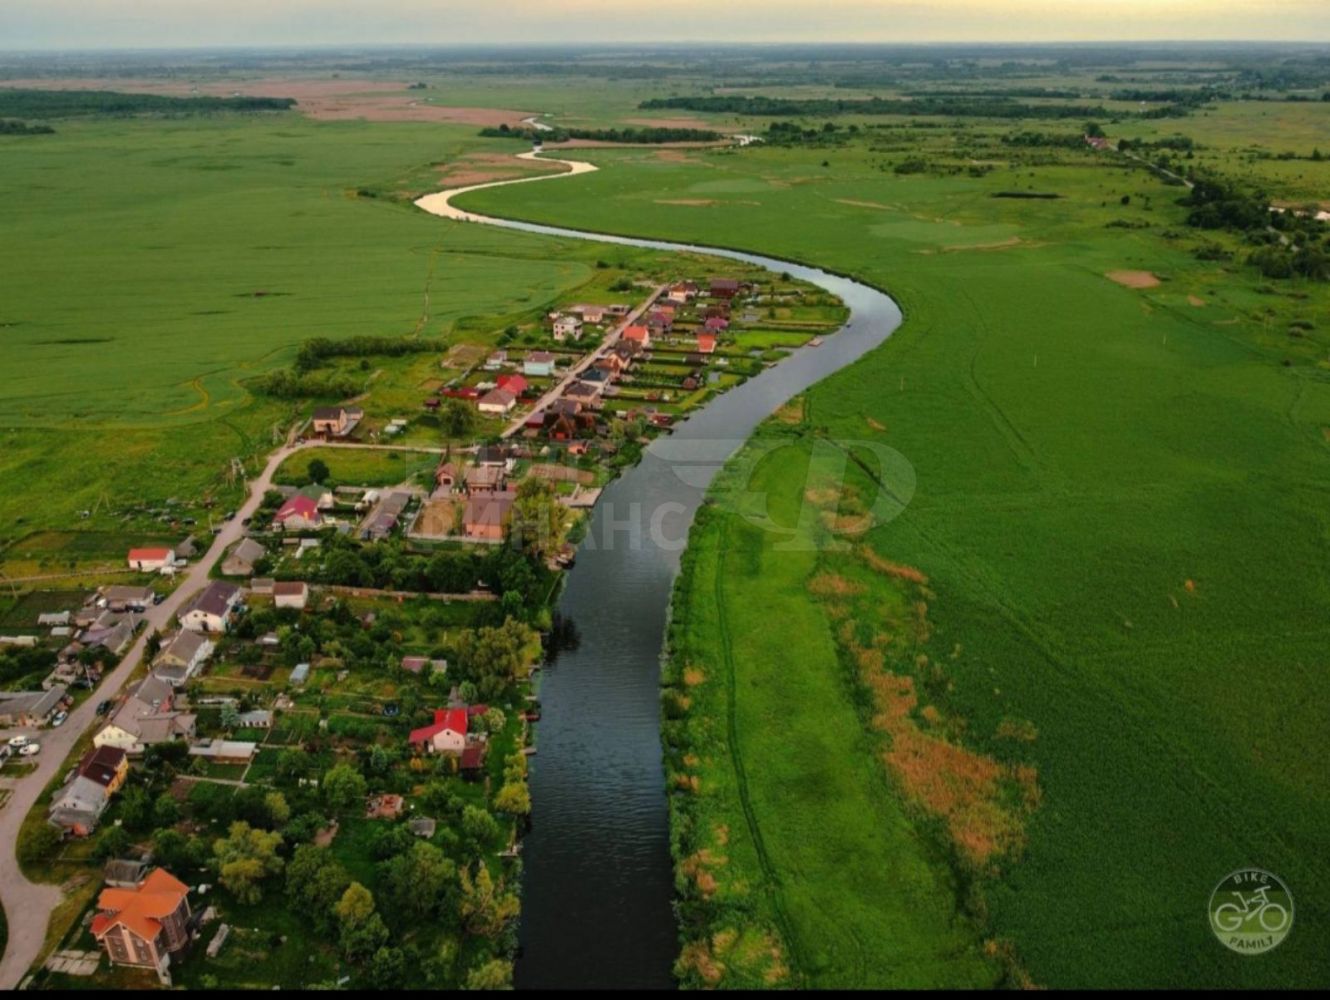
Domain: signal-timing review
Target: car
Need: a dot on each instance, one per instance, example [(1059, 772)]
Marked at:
[(30, 750), (247, 521), (158, 598), (59, 719), (104, 706), (19, 741)]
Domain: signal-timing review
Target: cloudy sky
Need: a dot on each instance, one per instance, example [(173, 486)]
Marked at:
[(53, 24)]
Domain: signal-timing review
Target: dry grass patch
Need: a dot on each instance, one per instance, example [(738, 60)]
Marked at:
[(1133, 279), (693, 676), (831, 585), (901, 572)]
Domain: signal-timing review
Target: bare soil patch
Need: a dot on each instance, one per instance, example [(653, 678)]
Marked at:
[(1133, 279), (437, 518), (1195, 300)]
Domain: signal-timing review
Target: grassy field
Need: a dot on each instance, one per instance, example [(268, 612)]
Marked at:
[(1119, 509), (185, 257)]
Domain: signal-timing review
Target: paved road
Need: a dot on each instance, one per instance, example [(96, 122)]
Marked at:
[(28, 905)]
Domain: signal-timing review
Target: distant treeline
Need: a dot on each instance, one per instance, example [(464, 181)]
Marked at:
[(288, 383), (644, 136), (316, 351), (70, 103), (8, 127), (976, 107), (1288, 244)]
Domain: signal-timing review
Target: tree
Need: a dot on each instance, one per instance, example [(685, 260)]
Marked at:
[(244, 858), (493, 657), (514, 798), (344, 788), (113, 843), (419, 883), (479, 825), (539, 520), (387, 968), (458, 418), (362, 930), (496, 974), (38, 844), (278, 810), (316, 882), (318, 471), (485, 907), (230, 716), (165, 811)]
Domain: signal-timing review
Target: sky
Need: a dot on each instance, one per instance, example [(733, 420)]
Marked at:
[(82, 24)]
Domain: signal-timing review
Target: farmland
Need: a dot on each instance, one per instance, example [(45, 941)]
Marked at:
[(1116, 513)]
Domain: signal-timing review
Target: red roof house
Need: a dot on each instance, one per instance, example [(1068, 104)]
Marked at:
[(706, 343), (299, 511), (638, 334), (150, 559), (515, 384), (446, 735), (143, 925)]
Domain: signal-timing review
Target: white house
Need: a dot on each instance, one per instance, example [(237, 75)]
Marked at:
[(152, 560), (290, 594), (181, 658), (538, 363), (210, 609), (446, 735), (567, 327), (497, 403)]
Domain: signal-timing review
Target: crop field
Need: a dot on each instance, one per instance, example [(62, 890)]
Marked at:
[(186, 257), (1119, 509), (357, 466)]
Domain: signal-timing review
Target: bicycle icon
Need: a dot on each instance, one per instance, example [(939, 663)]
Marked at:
[(1251, 911)]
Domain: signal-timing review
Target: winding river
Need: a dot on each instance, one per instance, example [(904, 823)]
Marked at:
[(598, 882)]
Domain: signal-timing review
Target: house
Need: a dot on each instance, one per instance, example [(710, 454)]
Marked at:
[(472, 759), (387, 806), (682, 292), (724, 288), (210, 609), (30, 708), (298, 513), (661, 320), (637, 334), (259, 718), (300, 674), (515, 384), (122, 598), (181, 658), (585, 393), (486, 515), (496, 360), (445, 478), (422, 826), (221, 751), (290, 594), (446, 735), (152, 560), (146, 925), (146, 717), (262, 585), (187, 549), (496, 402), (243, 557), (78, 806), (492, 455), (706, 343), (590, 313), (567, 328), (335, 421), (124, 873), (484, 479), (417, 664)]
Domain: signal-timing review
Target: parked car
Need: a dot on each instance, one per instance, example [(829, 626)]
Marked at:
[(59, 719), (158, 598), (19, 741), (30, 750), (104, 706)]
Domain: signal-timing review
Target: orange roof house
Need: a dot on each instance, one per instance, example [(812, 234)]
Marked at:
[(638, 334), (145, 925)]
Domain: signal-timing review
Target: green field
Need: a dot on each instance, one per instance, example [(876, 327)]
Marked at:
[(1120, 506)]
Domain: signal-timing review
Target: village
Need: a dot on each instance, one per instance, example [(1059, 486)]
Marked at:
[(360, 660)]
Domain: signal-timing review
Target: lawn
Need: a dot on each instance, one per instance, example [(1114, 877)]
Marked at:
[(1116, 508)]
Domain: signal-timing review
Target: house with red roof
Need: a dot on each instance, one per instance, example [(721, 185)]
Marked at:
[(447, 734), (706, 343), (146, 925), (638, 334), (298, 513), (151, 560), (515, 384)]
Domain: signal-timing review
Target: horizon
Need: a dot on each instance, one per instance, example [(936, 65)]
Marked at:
[(155, 25)]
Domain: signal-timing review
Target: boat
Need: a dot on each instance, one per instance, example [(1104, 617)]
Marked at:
[(815, 342)]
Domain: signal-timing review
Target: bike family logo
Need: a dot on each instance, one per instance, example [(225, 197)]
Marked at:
[(1251, 911)]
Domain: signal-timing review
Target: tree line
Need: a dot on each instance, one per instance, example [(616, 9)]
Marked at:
[(26, 103), (635, 136), (958, 106)]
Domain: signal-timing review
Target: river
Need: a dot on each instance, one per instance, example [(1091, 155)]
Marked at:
[(598, 881)]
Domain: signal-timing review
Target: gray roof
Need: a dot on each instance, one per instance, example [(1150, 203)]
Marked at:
[(246, 553), (183, 648), (37, 704), (215, 599)]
